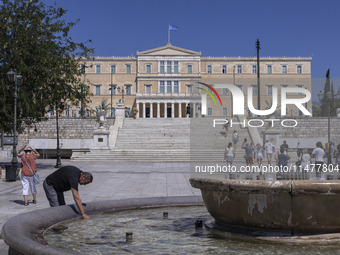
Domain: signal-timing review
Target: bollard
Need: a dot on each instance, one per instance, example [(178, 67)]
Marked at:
[(129, 237), (199, 224)]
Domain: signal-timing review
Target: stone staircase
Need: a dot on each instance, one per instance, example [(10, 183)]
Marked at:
[(169, 140), (208, 143), (149, 140)]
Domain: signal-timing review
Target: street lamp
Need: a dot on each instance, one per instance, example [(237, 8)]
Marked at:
[(112, 87), (329, 98), (58, 163), (17, 79), (122, 93)]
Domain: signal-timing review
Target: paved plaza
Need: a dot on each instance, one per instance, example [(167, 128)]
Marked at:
[(112, 180)]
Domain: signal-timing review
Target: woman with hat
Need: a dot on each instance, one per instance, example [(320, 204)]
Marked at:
[(29, 168)]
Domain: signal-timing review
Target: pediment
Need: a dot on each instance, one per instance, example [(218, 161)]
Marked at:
[(168, 50)]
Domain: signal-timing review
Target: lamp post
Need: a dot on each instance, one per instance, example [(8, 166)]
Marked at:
[(122, 93), (329, 98), (111, 92), (58, 163), (258, 74), (17, 79)]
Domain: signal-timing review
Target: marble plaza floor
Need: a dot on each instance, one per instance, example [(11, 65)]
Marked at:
[(112, 180)]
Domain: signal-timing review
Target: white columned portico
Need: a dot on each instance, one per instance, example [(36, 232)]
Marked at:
[(151, 109), (179, 110), (172, 110), (194, 110), (143, 110), (158, 110), (165, 109)]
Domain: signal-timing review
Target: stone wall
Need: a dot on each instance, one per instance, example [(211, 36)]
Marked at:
[(308, 131), (69, 128)]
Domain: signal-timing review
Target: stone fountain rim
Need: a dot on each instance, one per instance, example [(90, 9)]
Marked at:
[(267, 186), (22, 232)]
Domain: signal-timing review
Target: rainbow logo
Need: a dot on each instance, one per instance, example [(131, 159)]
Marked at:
[(208, 92)]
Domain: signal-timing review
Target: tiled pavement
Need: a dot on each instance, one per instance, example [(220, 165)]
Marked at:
[(112, 180)]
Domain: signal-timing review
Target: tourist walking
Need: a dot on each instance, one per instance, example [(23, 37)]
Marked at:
[(259, 154), (235, 138), (229, 154), (284, 145), (270, 149), (282, 158), (337, 158), (305, 159), (64, 179), (29, 168), (318, 153), (249, 152)]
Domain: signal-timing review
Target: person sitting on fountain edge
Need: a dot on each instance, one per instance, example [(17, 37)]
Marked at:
[(64, 179)]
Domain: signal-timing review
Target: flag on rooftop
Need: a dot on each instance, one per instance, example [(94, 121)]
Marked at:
[(172, 27)]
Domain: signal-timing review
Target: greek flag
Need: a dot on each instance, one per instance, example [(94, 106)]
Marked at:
[(172, 27)]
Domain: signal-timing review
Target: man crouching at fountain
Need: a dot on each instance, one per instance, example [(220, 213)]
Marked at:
[(64, 179)]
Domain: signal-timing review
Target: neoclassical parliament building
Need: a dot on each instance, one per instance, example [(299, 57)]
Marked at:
[(164, 82)]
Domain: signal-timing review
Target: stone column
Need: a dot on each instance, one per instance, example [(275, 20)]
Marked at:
[(179, 110), (165, 109), (151, 110), (137, 106), (172, 110), (194, 110), (143, 110), (158, 110)]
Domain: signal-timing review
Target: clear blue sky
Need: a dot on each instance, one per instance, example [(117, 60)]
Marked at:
[(291, 28)]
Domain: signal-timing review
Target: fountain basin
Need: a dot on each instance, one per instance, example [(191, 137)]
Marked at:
[(24, 233), (288, 207)]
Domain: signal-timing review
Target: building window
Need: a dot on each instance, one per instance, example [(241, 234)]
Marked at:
[(210, 112), (168, 66), (161, 87), (269, 69), (112, 89), (168, 87), (128, 68), (284, 69), (176, 87), (189, 68), (299, 69), (67, 111), (225, 112), (98, 90), (98, 68), (299, 86), (83, 68), (147, 89), (113, 68), (240, 87), (128, 89), (254, 69), (224, 68), (224, 91), (254, 89), (239, 68), (148, 68), (209, 69), (161, 67), (189, 89), (269, 89), (176, 67), (113, 111)]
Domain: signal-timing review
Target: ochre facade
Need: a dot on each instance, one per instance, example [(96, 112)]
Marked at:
[(164, 82)]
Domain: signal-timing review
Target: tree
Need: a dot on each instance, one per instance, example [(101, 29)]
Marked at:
[(34, 40)]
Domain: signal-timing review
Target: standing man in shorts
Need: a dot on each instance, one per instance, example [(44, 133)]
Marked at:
[(270, 149), (64, 179)]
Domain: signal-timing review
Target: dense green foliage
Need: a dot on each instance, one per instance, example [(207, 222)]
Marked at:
[(35, 41)]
